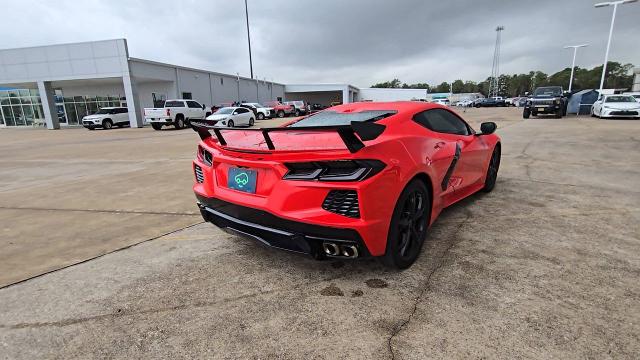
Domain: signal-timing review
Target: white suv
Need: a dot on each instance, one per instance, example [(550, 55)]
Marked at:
[(106, 118)]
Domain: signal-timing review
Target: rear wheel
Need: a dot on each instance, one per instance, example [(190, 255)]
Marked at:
[(156, 126), (408, 227), (297, 112), (526, 113), (251, 122), (492, 170), (260, 116), (179, 123), (280, 114), (107, 124)]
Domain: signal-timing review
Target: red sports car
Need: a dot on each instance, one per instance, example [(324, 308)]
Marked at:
[(360, 179)]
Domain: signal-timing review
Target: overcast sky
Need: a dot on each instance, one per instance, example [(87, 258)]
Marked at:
[(337, 41)]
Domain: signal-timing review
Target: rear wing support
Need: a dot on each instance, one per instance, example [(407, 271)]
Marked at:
[(352, 135)]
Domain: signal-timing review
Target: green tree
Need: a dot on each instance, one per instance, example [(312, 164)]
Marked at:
[(395, 83), (442, 88), (457, 86)]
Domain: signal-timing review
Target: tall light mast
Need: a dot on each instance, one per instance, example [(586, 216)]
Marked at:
[(495, 67)]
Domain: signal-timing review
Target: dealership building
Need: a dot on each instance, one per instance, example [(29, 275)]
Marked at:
[(57, 85)]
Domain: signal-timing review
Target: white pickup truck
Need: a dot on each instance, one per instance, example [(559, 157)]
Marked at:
[(177, 112)]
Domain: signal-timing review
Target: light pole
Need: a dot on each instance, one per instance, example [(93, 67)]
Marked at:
[(573, 64), (246, 14), (613, 18)]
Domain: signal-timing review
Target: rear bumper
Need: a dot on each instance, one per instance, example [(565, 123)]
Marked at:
[(160, 120), (275, 231)]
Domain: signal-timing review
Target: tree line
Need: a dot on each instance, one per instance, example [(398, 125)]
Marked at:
[(619, 76)]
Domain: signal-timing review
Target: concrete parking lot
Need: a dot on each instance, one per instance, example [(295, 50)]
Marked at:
[(545, 266)]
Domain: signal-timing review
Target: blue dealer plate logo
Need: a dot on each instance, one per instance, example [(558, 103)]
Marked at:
[(242, 179)]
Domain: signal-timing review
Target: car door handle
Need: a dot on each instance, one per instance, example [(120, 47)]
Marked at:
[(439, 144)]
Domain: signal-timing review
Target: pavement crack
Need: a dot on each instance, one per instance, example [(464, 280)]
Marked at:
[(99, 256), (426, 286), (102, 211), (119, 313)]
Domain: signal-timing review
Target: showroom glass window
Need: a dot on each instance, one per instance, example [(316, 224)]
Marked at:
[(442, 121), (20, 107)]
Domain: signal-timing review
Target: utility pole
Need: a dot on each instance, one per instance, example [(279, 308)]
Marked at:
[(238, 81), (613, 19), (246, 13), (495, 67), (573, 64)]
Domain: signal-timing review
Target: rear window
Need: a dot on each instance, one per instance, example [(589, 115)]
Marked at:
[(333, 118), (174, 104)]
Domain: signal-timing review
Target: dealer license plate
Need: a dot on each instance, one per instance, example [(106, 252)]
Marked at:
[(242, 179)]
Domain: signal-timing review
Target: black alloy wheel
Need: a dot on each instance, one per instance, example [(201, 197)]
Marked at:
[(492, 170), (408, 227)]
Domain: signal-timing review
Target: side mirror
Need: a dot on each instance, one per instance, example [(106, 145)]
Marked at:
[(487, 128), (526, 93), (203, 107)]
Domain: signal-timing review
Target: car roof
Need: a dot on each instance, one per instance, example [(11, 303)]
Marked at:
[(114, 107), (399, 106)]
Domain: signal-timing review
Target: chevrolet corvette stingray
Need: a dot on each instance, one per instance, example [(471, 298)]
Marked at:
[(354, 180)]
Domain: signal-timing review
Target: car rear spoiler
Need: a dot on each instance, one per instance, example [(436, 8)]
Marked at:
[(365, 131)]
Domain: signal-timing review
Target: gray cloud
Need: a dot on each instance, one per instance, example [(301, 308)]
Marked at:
[(359, 42)]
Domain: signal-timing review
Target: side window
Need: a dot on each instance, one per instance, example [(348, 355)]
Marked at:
[(122, 111), (442, 121), (242, 111), (193, 104)]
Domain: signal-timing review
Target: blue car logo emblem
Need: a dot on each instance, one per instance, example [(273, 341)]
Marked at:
[(241, 179)]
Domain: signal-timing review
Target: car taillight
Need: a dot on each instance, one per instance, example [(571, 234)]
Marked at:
[(168, 112), (336, 170)]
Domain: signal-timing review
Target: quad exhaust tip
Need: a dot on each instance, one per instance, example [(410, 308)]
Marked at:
[(332, 249)]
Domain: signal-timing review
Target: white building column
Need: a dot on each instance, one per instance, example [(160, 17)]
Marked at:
[(47, 96), (133, 103), (345, 95)]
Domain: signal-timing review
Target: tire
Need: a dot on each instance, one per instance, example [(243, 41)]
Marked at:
[(297, 113), (179, 122), (260, 116), (280, 113), (492, 170), (230, 123), (558, 114), (251, 122), (107, 124), (156, 126), (526, 114), (408, 227)]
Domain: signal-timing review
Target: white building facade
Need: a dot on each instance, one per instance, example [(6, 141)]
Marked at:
[(59, 84)]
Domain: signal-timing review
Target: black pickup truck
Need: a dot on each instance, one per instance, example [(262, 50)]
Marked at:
[(547, 100)]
